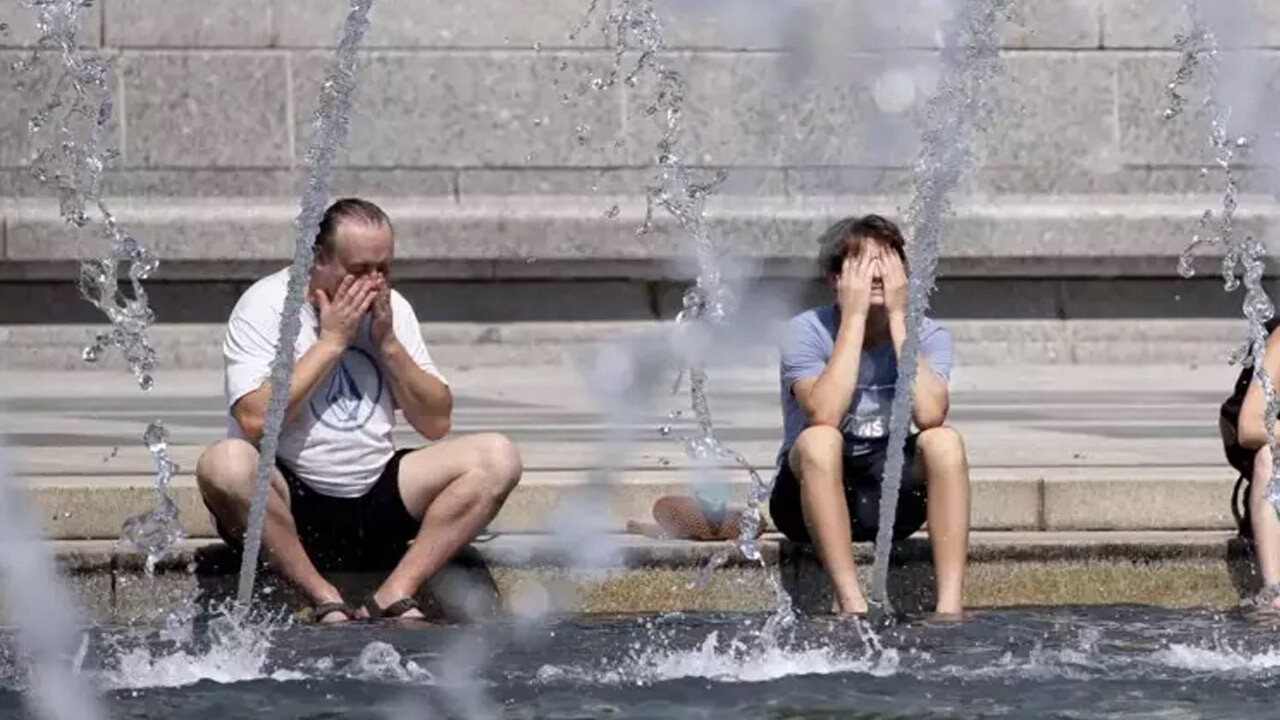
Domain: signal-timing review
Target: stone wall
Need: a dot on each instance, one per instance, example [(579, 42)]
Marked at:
[(460, 124)]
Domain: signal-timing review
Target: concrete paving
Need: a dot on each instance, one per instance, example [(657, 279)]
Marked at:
[(1052, 448)]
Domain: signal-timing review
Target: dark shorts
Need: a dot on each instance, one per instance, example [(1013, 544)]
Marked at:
[(863, 475), (371, 532)]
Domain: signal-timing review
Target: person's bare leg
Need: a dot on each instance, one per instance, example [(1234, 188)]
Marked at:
[(225, 475), (817, 460), (455, 487), (946, 469), (1266, 524)]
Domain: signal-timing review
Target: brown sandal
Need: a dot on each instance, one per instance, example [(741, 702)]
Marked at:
[(393, 611), (323, 610)]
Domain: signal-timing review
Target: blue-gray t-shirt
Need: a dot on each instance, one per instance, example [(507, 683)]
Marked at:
[(806, 347)]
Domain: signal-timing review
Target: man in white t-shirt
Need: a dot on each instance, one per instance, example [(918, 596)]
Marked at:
[(342, 497)]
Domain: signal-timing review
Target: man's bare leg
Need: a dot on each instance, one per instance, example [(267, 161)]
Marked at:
[(946, 470), (225, 475), (455, 487), (817, 460), (1266, 524)]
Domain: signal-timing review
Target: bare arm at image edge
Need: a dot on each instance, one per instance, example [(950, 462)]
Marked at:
[(1252, 432)]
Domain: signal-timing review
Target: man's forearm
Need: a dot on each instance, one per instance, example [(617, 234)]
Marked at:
[(426, 401), (930, 393), (311, 368), (833, 392)]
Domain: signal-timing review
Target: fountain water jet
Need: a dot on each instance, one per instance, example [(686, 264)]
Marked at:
[(72, 161), (971, 62), (329, 128), (635, 24), (1201, 49)]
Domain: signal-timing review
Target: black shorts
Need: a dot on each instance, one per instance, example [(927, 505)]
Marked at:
[(367, 533), (863, 475)]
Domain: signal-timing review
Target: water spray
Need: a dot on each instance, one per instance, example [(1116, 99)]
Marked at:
[(971, 64), (329, 131)]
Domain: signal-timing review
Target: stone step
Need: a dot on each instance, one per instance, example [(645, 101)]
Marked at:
[(1045, 499), (567, 236), (181, 346), (535, 574)]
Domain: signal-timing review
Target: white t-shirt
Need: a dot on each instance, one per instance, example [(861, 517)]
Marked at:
[(340, 440)]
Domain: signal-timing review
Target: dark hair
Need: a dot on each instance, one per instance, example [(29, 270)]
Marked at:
[(351, 210), (840, 238)]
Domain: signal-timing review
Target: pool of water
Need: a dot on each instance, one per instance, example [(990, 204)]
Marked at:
[(1079, 663)]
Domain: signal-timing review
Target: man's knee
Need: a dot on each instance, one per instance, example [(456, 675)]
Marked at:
[(227, 469), (941, 445), (500, 460), (818, 446)]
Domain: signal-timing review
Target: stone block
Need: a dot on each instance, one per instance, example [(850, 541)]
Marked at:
[(1175, 502), (470, 110), (825, 28), (1156, 23), (1056, 24), (1054, 110), (439, 24), (760, 110), (1001, 342), (216, 230), (205, 110), (1072, 179), (19, 26), (1006, 503), (607, 183), (1250, 86), (157, 23), (1192, 340), (855, 181)]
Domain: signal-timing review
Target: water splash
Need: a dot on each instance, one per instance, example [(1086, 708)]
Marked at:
[(971, 64), (381, 662), (735, 660), (1243, 254), (235, 649), (159, 529), (677, 190), (70, 155), (68, 132), (329, 131)]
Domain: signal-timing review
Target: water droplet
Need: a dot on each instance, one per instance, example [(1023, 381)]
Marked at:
[(537, 47), (1242, 142), (1169, 113), (537, 122), (665, 430), (612, 212), (1185, 267), (4, 28)]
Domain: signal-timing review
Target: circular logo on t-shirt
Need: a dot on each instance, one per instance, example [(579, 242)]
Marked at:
[(347, 398)]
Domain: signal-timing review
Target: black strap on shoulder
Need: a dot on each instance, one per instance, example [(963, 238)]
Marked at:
[(1240, 510)]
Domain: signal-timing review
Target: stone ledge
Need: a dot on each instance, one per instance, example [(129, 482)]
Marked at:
[(496, 235), (462, 345), (529, 574), (1056, 499)]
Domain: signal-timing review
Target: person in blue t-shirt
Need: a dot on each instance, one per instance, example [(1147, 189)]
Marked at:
[(838, 368)]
